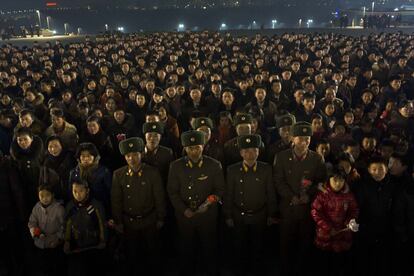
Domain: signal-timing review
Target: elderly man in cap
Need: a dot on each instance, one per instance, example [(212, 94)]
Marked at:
[(249, 203), (296, 174), (155, 154), (284, 125), (195, 187), (138, 208), (212, 147)]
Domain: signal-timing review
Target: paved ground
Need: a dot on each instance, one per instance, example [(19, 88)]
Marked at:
[(349, 31)]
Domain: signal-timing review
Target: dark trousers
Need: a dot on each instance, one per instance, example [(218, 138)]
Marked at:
[(330, 263), (248, 248), (50, 261), (201, 233), (10, 251), (91, 262), (374, 257), (142, 249), (296, 236)]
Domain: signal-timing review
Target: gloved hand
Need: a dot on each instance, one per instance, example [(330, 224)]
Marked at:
[(188, 213), (202, 209), (304, 199), (230, 223), (294, 201)]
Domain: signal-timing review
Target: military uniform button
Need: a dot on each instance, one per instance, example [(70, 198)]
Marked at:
[(189, 197), (130, 209), (242, 213), (189, 187), (127, 186), (128, 197), (130, 219), (241, 193), (242, 204), (28, 166), (241, 180)]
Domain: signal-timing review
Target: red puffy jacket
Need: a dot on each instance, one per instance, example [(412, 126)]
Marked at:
[(333, 211)]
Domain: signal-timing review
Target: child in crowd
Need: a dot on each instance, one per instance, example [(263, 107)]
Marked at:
[(46, 227), (335, 212), (84, 232)]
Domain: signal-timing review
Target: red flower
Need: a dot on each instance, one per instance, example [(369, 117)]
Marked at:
[(306, 183), (212, 198), (37, 232)]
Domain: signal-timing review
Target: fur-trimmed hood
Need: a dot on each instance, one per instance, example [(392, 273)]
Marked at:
[(34, 153)]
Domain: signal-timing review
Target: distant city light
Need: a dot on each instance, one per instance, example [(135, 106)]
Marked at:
[(54, 32), (223, 25), (396, 9), (274, 22), (181, 27), (120, 29)]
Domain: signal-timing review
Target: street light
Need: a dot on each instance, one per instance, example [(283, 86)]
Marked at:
[(40, 21), (223, 26), (373, 6), (121, 29), (300, 22), (106, 27), (66, 28), (309, 22), (274, 22), (181, 27)]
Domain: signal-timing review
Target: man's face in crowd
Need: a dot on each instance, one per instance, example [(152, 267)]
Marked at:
[(378, 171), (93, 127), (301, 142), (26, 120), (133, 159), (194, 152), (153, 139), (249, 155), (58, 122)]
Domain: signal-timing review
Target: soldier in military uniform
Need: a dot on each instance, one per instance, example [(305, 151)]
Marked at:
[(154, 154), (249, 203), (160, 157), (284, 125), (138, 207), (192, 180), (212, 148), (296, 174), (243, 124)]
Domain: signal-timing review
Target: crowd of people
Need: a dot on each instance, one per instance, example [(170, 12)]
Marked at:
[(121, 154)]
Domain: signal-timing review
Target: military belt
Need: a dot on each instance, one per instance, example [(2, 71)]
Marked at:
[(138, 217), (249, 213)]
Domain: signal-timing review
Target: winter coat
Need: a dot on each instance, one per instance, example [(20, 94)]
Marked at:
[(375, 201), (84, 225), (62, 165), (28, 163), (332, 211), (100, 182), (12, 203), (50, 221), (403, 213), (69, 135)]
